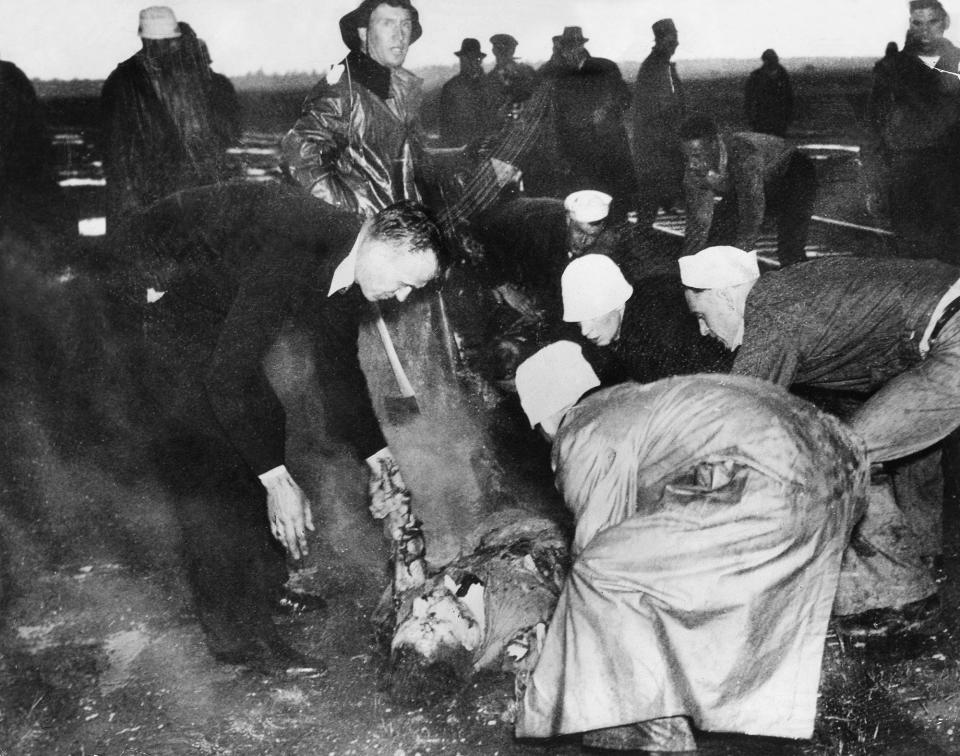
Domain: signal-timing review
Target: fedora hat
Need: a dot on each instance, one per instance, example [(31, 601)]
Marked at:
[(470, 48), (572, 35)]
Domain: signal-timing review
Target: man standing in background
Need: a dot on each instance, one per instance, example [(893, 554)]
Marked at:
[(658, 111), (591, 100), (915, 153), (462, 111), (768, 97)]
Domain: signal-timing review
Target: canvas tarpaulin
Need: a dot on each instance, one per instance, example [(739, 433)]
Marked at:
[(712, 513)]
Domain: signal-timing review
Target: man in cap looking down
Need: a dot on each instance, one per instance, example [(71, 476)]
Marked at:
[(640, 333), (753, 175), (711, 517), (358, 137), (897, 342), (528, 242)]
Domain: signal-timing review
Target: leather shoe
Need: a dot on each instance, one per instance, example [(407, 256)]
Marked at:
[(292, 603), (887, 623)]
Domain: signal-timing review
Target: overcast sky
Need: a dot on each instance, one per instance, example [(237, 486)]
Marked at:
[(87, 38)]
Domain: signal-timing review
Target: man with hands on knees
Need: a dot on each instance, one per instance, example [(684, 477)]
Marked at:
[(221, 272)]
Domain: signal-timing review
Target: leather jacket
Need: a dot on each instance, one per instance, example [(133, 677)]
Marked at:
[(358, 137)]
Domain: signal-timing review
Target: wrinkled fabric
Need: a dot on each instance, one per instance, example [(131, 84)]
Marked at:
[(353, 148), (712, 513)]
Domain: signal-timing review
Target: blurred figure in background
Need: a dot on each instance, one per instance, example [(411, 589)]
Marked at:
[(509, 81), (914, 156), (30, 199), (591, 100), (658, 111), (553, 66), (223, 97), (768, 97), (462, 111), (160, 130)]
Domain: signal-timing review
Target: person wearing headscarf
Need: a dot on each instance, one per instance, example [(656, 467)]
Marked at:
[(883, 329), (711, 516), (159, 125), (637, 332), (357, 141)]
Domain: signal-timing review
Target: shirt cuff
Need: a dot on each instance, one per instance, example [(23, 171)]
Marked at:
[(272, 476), (374, 459)]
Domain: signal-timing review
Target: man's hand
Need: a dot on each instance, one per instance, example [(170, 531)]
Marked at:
[(518, 301), (288, 510)]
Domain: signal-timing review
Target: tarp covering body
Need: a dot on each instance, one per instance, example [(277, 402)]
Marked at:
[(712, 513)]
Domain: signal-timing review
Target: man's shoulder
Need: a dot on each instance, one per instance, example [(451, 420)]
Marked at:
[(594, 65)]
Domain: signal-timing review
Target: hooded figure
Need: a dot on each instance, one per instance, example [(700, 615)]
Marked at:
[(160, 126), (358, 135)]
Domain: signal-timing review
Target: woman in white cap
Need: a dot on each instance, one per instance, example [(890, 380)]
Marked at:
[(641, 335), (711, 517)]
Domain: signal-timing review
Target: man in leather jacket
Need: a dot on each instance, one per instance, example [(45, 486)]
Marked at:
[(355, 142)]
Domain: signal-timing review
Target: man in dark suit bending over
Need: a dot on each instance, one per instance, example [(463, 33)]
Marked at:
[(221, 270)]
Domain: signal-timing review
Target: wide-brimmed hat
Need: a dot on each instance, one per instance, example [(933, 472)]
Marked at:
[(470, 48), (572, 35), (360, 17), (158, 22)]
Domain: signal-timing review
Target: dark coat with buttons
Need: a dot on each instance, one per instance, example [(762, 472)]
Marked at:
[(237, 263)]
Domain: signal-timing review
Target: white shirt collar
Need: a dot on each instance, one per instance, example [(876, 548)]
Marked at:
[(345, 274)]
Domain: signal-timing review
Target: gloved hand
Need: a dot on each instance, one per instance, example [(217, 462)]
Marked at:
[(389, 495)]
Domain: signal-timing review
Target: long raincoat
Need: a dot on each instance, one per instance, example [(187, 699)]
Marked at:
[(712, 513)]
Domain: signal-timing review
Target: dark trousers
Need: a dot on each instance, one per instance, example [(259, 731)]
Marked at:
[(234, 566), (789, 198), (924, 211)]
